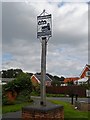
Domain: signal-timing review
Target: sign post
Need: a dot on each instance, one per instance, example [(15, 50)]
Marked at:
[(38, 111), (43, 72), (43, 33)]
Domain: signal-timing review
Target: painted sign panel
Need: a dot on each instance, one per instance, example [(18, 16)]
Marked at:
[(44, 26)]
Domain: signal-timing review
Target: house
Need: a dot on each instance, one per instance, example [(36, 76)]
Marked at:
[(84, 77), (81, 81), (5, 80), (36, 79), (70, 79), (84, 71)]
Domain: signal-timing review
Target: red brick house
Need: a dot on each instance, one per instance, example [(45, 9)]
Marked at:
[(82, 76), (36, 79), (66, 80), (84, 71), (85, 75)]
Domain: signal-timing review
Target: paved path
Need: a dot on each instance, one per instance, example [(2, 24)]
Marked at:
[(17, 115), (66, 99), (12, 116)]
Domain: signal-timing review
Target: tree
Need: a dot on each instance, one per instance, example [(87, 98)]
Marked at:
[(11, 73), (62, 78), (22, 82), (55, 83), (70, 83)]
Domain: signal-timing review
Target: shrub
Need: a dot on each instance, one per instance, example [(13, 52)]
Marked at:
[(6, 101), (24, 96), (20, 84)]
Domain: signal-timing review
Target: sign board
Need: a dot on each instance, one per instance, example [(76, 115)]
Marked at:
[(88, 74), (44, 26)]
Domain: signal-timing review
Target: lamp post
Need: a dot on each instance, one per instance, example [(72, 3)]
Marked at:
[(43, 33)]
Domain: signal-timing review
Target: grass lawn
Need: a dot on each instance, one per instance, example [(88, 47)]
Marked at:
[(14, 108), (70, 112), (55, 95)]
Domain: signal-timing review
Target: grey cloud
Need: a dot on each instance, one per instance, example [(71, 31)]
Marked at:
[(17, 23), (66, 49)]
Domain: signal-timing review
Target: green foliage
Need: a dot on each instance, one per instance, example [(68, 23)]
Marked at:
[(8, 87), (22, 85), (11, 73), (24, 96), (35, 90), (35, 93), (55, 83), (22, 82), (5, 101), (70, 83)]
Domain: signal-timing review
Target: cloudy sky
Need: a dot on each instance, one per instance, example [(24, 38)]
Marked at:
[(67, 49)]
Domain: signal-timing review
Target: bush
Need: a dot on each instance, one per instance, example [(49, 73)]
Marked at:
[(22, 84), (5, 101), (23, 96), (34, 93)]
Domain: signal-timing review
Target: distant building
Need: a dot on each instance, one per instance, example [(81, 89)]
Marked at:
[(81, 81), (5, 80), (36, 79), (84, 77), (70, 79), (84, 71)]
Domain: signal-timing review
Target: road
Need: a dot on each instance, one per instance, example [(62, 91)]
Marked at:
[(66, 99)]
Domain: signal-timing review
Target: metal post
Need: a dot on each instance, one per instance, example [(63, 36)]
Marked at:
[(76, 97), (43, 72), (72, 98)]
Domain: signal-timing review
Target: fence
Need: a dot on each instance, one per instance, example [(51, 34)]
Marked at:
[(79, 90)]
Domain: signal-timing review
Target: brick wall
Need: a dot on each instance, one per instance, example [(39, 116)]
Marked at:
[(57, 114), (11, 96), (35, 114)]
